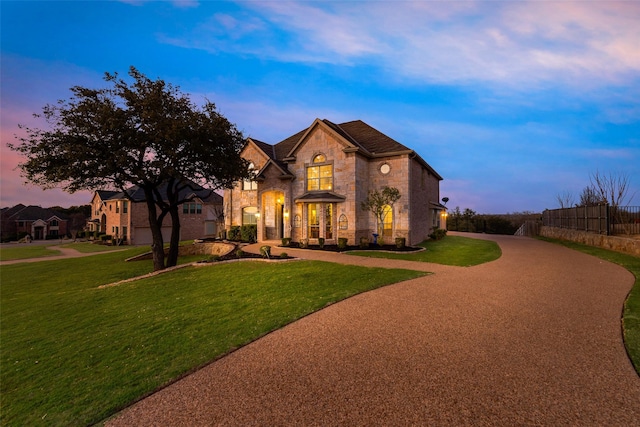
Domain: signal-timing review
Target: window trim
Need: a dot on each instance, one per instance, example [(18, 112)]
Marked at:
[(316, 164)]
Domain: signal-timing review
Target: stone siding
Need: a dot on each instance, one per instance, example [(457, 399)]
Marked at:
[(354, 175), (214, 248), (614, 243)]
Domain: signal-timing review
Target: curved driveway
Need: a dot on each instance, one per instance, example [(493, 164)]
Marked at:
[(533, 338)]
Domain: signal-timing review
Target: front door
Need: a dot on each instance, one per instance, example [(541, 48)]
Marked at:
[(38, 233), (320, 220)]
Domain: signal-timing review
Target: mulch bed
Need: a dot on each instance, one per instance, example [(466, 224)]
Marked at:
[(371, 247)]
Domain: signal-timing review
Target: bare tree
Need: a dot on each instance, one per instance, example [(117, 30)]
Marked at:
[(612, 188), (590, 197), (565, 199)]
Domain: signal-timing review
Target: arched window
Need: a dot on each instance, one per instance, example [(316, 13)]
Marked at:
[(320, 174), (343, 222)]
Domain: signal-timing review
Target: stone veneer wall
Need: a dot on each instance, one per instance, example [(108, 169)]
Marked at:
[(614, 243), (215, 248)]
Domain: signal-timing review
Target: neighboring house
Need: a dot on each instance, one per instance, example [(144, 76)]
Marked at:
[(311, 185), (127, 217), (34, 221)]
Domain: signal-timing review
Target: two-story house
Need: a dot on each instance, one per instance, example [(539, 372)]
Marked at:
[(127, 217), (34, 221), (312, 184)]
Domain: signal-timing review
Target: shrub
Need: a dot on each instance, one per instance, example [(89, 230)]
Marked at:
[(249, 233), (234, 233), (213, 258), (265, 251), (342, 242), (286, 241), (284, 255), (364, 243), (438, 234), (321, 242), (239, 253), (400, 242), (106, 237)]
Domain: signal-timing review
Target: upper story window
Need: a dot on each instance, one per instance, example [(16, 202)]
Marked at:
[(53, 223), (249, 184), (192, 208), (320, 174), (125, 206)]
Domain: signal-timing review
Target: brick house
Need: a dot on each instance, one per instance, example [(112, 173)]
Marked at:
[(311, 185), (34, 221), (127, 218)]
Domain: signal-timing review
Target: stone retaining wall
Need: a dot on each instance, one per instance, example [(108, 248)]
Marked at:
[(614, 243), (213, 248)]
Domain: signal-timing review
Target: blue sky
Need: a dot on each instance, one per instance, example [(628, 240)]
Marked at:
[(511, 102)]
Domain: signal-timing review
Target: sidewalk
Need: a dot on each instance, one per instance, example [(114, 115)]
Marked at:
[(530, 339), (64, 253)]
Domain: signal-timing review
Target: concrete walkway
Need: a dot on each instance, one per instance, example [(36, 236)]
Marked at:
[(533, 338), (64, 254)]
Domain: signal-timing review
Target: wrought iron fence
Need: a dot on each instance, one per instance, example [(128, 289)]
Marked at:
[(601, 219)]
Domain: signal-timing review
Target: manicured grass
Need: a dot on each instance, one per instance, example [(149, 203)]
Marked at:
[(74, 354), (631, 311), (8, 253), (452, 250)]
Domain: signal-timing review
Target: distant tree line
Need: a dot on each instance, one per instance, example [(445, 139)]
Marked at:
[(470, 221)]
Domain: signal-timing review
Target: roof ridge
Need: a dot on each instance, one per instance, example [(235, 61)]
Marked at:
[(345, 133)]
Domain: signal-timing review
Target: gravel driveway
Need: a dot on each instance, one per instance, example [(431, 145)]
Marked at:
[(533, 338)]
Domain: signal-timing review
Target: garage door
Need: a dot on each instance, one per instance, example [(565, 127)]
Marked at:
[(142, 235)]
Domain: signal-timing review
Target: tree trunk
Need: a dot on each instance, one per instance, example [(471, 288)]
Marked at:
[(155, 223), (172, 257)]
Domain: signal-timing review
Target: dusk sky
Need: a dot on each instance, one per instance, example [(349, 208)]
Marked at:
[(511, 102)]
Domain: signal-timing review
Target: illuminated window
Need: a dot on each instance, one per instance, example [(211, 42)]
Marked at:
[(314, 220), (387, 223), (249, 184), (249, 215), (319, 175)]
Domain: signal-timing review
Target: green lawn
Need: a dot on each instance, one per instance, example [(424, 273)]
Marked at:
[(8, 253), (87, 247), (452, 250), (73, 354), (631, 311)]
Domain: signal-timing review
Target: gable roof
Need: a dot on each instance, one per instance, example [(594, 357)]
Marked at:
[(106, 194), (9, 212), (356, 135), (191, 190), (372, 140), (33, 213)]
